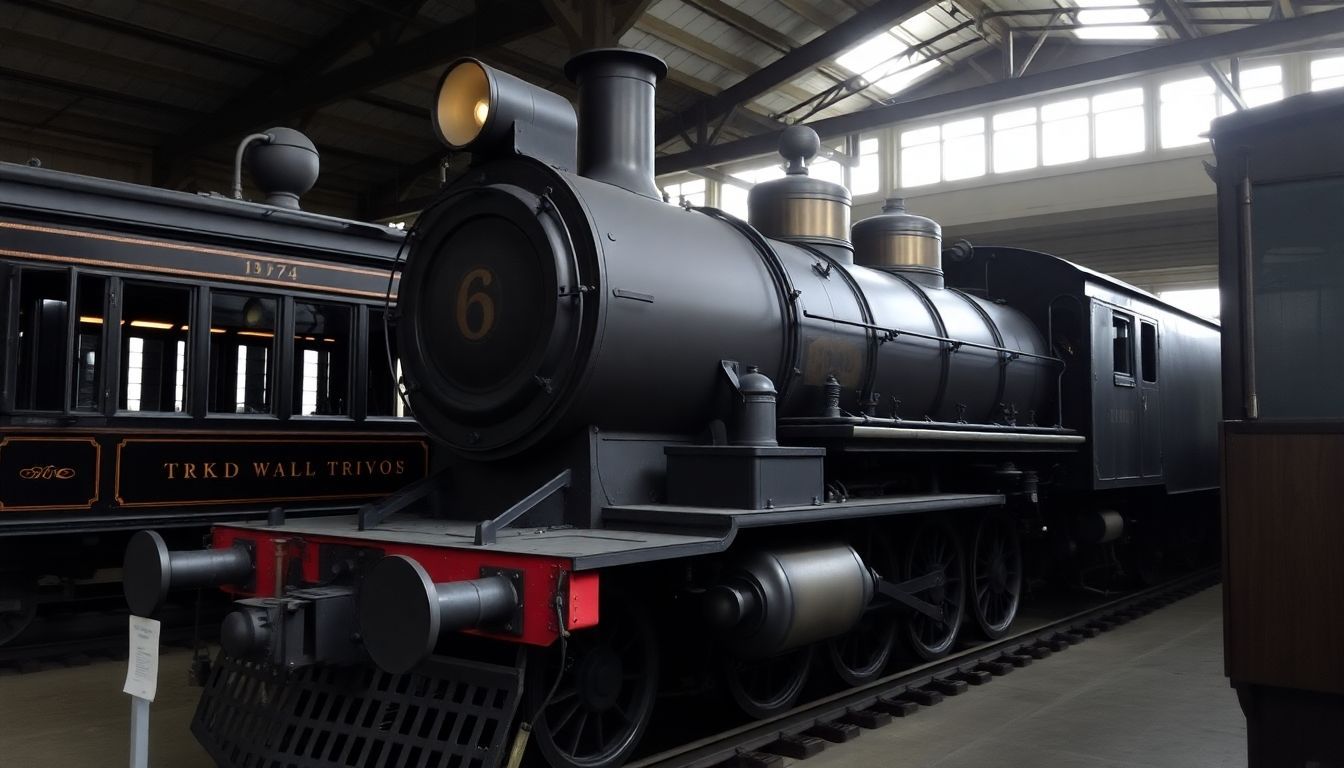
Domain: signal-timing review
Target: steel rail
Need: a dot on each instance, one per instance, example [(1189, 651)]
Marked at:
[(900, 694)]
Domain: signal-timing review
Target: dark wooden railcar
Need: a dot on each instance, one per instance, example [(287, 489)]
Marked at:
[(1281, 234), (179, 360)]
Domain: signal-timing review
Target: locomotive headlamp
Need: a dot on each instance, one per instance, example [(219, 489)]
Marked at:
[(489, 112), (463, 106)]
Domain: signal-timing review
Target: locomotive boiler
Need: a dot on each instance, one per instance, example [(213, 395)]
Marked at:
[(690, 453), (558, 291)]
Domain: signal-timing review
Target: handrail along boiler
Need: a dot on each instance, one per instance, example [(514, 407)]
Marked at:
[(763, 444)]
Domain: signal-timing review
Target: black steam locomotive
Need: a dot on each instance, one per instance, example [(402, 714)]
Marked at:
[(689, 450), (178, 360)]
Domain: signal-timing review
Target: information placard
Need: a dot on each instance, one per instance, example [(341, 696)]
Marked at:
[(142, 663)]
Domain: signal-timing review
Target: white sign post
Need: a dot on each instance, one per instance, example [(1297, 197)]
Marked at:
[(142, 681)]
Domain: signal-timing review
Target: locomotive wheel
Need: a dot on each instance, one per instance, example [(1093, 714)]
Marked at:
[(604, 700), (860, 655), (18, 606), (935, 548), (996, 575), (765, 687)]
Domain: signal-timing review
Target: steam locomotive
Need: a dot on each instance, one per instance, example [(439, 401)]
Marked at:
[(689, 450)]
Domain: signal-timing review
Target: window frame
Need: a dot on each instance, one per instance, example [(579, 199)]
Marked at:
[(13, 272), (296, 364), (196, 379), (112, 342), (1147, 329), (367, 365), (1124, 378)]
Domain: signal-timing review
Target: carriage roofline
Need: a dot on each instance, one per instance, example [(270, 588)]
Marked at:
[(46, 192), (1089, 275)]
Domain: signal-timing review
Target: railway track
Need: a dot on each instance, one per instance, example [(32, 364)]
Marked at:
[(80, 638), (804, 731)]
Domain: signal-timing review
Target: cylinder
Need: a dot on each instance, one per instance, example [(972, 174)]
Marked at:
[(1098, 526), (771, 601), (616, 118), (245, 633), (799, 208), (900, 241), (402, 611), (150, 570)]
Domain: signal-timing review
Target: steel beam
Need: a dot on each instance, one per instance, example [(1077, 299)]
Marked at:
[(862, 25), (152, 106), (123, 27), (679, 37), (496, 23), (1031, 54), (714, 174), (1186, 30), (751, 26), (370, 18), (594, 23), (1260, 37)]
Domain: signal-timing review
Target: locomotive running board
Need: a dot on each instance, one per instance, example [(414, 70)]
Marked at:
[(924, 438), (447, 712), (726, 521)]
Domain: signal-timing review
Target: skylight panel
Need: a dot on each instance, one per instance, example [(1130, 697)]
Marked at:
[(887, 62), (870, 53), (1113, 24)]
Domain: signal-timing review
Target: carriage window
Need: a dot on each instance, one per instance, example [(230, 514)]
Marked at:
[(1122, 342), (44, 298), (1148, 350), (382, 394), (155, 320), (87, 366), (321, 359), (242, 353)]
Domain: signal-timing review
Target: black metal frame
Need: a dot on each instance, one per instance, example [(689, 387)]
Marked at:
[(1194, 51), (196, 381)]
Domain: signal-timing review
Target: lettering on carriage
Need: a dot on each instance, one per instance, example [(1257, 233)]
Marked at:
[(49, 472), (271, 270), (273, 470)]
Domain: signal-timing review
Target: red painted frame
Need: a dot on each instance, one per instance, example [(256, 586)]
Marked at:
[(542, 576)]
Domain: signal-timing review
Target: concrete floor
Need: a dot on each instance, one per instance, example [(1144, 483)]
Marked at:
[(77, 717), (1149, 694)]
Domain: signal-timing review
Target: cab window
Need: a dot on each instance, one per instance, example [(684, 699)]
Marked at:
[(1122, 344), (1148, 351)]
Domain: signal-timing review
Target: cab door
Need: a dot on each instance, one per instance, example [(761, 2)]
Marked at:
[(1150, 401), (1115, 396)]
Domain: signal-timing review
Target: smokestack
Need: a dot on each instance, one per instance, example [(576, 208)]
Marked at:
[(616, 90)]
